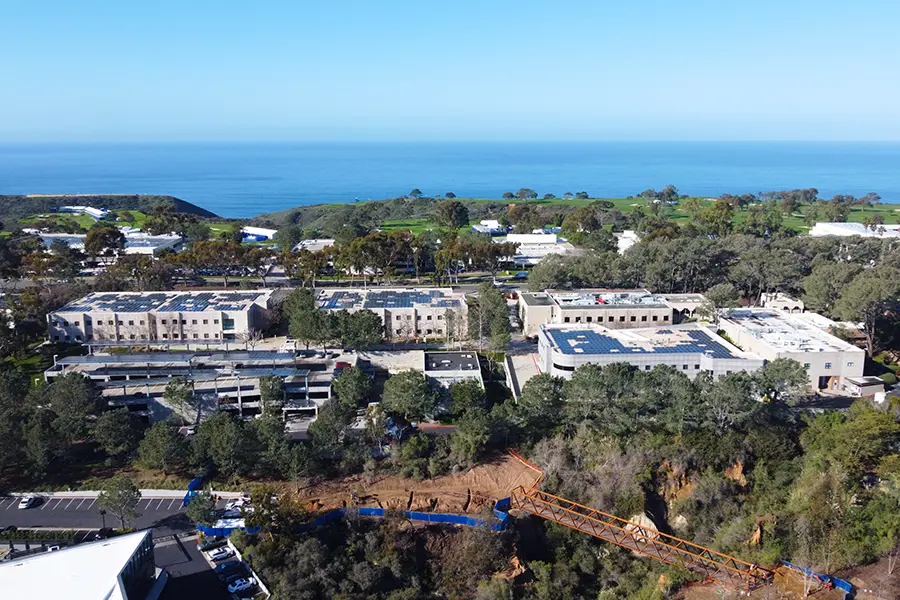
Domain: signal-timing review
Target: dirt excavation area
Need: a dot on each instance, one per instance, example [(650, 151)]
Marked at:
[(467, 492)]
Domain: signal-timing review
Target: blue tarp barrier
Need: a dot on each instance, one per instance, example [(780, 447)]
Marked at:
[(499, 512), (193, 486), (838, 583)]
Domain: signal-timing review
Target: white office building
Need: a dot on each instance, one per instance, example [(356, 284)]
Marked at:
[(690, 348), (773, 334), (136, 241), (535, 247)]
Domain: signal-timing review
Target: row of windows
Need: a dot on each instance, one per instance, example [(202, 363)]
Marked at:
[(419, 331), (612, 319), (418, 317), (165, 336), (141, 322)]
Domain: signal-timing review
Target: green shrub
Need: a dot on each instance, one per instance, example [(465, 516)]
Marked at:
[(889, 378)]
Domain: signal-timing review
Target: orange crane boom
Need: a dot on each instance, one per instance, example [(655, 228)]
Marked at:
[(648, 542)]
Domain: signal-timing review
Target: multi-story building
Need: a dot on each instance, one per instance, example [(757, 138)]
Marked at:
[(226, 381), (690, 348), (535, 247), (160, 316), (405, 313), (848, 229), (774, 334), (613, 309), (136, 241)]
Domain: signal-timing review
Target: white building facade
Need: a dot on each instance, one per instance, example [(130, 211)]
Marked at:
[(774, 334)]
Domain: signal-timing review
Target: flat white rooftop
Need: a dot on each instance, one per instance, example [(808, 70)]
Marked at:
[(788, 333), (845, 229), (86, 571)]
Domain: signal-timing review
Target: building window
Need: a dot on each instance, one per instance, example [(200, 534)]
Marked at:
[(206, 336), (429, 332), (646, 367), (428, 318), (131, 322), (184, 321), (665, 317), (805, 365), (399, 331), (633, 318), (644, 318), (165, 336), (143, 337), (215, 321), (566, 320), (656, 317), (440, 317), (409, 317), (77, 324), (828, 365), (163, 321), (196, 335), (193, 321), (696, 367), (65, 323), (850, 364), (206, 321), (621, 319), (684, 367), (588, 319), (418, 317), (440, 331), (578, 319), (131, 336), (112, 322), (398, 317), (563, 367), (215, 335), (142, 322)]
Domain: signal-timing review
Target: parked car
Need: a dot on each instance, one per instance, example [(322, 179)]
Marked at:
[(210, 542), (220, 554), (27, 502), (241, 584), (226, 571)]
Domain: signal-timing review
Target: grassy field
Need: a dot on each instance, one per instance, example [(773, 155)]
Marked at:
[(889, 212), (132, 218)]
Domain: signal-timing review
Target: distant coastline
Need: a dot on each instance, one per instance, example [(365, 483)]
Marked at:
[(248, 179)]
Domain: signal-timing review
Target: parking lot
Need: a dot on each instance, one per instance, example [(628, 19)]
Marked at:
[(163, 515)]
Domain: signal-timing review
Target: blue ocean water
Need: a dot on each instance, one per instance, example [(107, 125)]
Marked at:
[(246, 179)]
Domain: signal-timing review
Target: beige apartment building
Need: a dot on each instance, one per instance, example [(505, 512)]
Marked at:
[(407, 314), (160, 316), (613, 309)]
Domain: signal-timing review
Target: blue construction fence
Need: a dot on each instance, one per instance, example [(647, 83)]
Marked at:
[(193, 487), (500, 513), (836, 582)]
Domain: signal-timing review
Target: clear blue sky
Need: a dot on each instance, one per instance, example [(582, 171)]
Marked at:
[(137, 70)]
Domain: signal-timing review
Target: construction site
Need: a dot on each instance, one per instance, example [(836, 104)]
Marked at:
[(511, 484)]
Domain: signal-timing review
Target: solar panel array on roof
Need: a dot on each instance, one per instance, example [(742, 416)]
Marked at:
[(400, 298), (162, 301), (592, 342), (341, 300)]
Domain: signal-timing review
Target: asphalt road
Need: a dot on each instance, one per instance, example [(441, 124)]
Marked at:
[(163, 515)]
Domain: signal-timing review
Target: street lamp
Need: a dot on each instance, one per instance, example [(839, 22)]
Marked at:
[(103, 514)]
